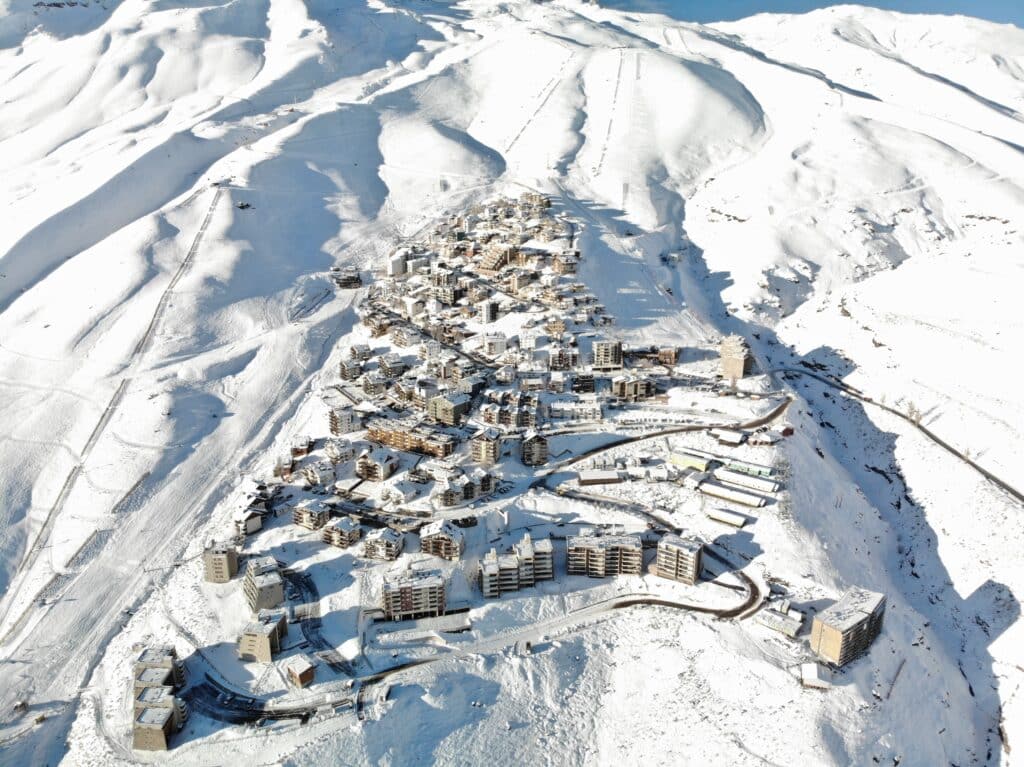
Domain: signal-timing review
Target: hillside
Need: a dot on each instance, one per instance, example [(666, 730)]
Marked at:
[(844, 188)]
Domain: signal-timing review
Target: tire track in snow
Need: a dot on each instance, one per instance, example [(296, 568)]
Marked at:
[(550, 87), (611, 115)]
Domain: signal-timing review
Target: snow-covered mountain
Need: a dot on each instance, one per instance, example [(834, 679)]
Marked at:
[(845, 188)]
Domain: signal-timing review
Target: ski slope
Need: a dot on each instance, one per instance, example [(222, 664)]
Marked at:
[(844, 187)]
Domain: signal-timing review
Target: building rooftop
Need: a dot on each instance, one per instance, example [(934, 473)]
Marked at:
[(157, 655), (153, 717), (155, 677), (603, 541), (412, 578), (441, 527), (692, 545), (855, 605), (156, 695)]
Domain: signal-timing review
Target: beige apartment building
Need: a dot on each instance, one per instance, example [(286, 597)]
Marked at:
[(220, 562), (602, 556), (413, 594), (847, 628), (263, 585), (680, 559), (261, 639)]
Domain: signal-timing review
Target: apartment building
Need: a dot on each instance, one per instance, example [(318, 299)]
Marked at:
[(449, 409), (342, 533), (383, 543), (607, 355), (602, 556), (632, 388), (442, 539), (414, 438), (846, 629), (311, 515), (734, 357), (263, 585), (157, 713), (413, 594), (485, 447), (376, 465), (261, 639), (528, 562), (220, 562), (534, 449), (343, 420), (680, 559)]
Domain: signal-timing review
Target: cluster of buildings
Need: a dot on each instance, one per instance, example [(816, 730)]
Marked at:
[(158, 712)]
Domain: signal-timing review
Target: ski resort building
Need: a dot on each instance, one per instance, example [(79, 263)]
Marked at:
[(442, 539), (410, 437), (261, 639), (528, 562), (679, 559), (220, 562), (449, 409), (310, 515), (343, 420), (157, 713), (383, 543), (602, 556), (301, 670), (847, 628), (734, 358), (343, 533), (376, 465), (413, 594), (485, 447), (607, 355), (534, 449), (263, 585)]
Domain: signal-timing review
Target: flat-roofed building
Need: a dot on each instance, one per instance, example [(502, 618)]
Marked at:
[(601, 556), (534, 449), (343, 420), (414, 438), (261, 639), (632, 388), (220, 562), (734, 357), (310, 515), (383, 543), (162, 697), (846, 629), (680, 559), (263, 585), (413, 594), (301, 670), (442, 539), (165, 658), (528, 562), (449, 409), (342, 533), (152, 728), (607, 355)]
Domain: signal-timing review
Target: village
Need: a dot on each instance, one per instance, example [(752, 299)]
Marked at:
[(486, 465)]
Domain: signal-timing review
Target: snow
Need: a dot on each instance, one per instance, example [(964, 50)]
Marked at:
[(844, 188)]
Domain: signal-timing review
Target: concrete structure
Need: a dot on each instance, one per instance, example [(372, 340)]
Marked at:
[(847, 628), (261, 639), (607, 355), (263, 586), (220, 562), (601, 556), (528, 562), (449, 409), (442, 539), (157, 713), (301, 670), (485, 447), (343, 420), (310, 515), (152, 729), (413, 438), (534, 449), (413, 594), (734, 358), (343, 533), (383, 543), (376, 465), (632, 388), (680, 559)]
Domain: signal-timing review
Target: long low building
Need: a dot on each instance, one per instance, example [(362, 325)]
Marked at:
[(732, 494), (758, 484)]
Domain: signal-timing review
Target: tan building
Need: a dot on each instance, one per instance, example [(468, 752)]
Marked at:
[(311, 516), (152, 729), (220, 562), (342, 420), (680, 559), (485, 447), (383, 543), (263, 585), (847, 628), (534, 449), (157, 713), (301, 670), (449, 409), (413, 594), (411, 438), (601, 556), (734, 357), (261, 639), (442, 539), (632, 387), (343, 533), (607, 355)]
